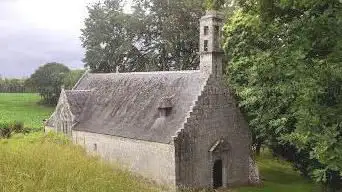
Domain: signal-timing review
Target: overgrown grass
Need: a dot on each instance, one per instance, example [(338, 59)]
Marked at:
[(38, 163), (279, 176), (51, 163), (23, 107)]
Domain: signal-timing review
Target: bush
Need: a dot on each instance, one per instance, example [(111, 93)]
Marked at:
[(17, 127), (7, 129)]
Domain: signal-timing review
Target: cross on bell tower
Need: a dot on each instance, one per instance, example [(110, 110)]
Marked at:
[(210, 50)]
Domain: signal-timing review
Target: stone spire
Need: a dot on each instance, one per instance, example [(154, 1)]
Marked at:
[(210, 51)]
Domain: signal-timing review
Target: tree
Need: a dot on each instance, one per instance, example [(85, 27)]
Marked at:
[(110, 38), (156, 36), (285, 66), (47, 80), (214, 4), (13, 86), (71, 78)]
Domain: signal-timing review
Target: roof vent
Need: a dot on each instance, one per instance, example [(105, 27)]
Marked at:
[(165, 106)]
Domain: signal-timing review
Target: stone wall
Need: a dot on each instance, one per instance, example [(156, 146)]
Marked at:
[(62, 119), (214, 117), (149, 159)]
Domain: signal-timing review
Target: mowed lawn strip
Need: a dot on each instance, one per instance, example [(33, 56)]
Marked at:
[(23, 107)]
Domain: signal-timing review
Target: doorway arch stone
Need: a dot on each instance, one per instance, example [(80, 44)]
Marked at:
[(219, 153)]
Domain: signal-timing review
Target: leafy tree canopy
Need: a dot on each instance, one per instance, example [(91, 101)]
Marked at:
[(47, 80), (285, 65), (214, 4), (158, 35), (71, 78), (13, 86)]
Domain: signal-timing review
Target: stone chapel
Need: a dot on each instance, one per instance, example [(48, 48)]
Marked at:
[(179, 128)]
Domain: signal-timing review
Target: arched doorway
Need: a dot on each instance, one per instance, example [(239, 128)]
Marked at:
[(217, 174)]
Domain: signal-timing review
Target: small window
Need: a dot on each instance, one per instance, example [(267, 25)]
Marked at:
[(217, 30), (216, 37), (95, 147), (215, 72), (206, 29), (205, 45)]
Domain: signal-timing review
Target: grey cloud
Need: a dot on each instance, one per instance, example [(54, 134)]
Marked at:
[(24, 48)]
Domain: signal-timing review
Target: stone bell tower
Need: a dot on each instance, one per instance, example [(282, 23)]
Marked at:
[(210, 51)]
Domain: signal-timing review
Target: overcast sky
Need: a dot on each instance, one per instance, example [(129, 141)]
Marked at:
[(34, 32)]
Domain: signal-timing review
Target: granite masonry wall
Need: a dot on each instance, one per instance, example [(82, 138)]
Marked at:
[(149, 159), (62, 119), (215, 117)]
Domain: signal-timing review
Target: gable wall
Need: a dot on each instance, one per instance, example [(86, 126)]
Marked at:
[(150, 159), (215, 116), (62, 119)]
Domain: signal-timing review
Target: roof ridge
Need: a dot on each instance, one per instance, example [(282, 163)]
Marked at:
[(148, 72), (78, 90), (80, 79)]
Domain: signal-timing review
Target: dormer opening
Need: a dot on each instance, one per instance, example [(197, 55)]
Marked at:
[(164, 112), (165, 107)]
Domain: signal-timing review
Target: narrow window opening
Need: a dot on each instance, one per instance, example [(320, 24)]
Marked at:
[(217, 30), (95, 147), (206, 30), (205, 48), (215, 72), (217, 36)]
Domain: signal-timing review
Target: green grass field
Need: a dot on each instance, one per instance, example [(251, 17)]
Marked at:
[(23, 107)]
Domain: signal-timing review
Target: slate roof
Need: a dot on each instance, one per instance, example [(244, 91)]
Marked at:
[(126, 104), (76, 100)]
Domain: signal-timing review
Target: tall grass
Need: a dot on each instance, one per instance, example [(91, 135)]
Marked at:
[(38, 163), (46, 163)]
